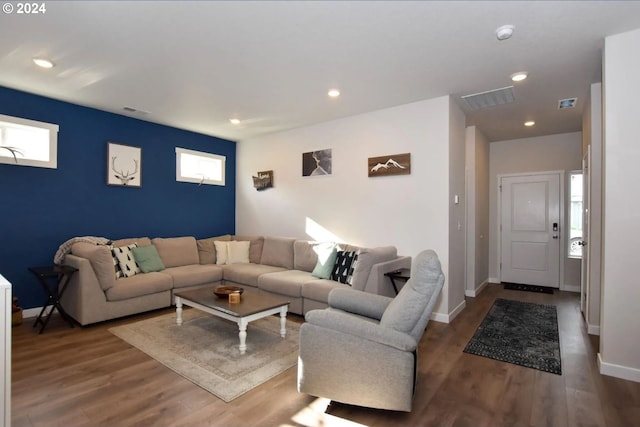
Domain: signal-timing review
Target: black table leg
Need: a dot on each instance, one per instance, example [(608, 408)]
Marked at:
[(62, 276)]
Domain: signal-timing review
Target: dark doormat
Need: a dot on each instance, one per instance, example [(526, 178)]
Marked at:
[(521, 333), (528, 288)]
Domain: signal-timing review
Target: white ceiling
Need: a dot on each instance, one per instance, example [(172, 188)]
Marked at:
[(194, 65)]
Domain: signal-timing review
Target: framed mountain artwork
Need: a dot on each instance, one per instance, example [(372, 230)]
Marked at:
[(393, 164)]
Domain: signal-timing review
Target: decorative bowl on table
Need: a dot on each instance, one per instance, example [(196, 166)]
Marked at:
[(224, 291)]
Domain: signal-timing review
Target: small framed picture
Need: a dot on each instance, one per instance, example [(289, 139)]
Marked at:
[(393, 164), (124, 168), (316, 163)]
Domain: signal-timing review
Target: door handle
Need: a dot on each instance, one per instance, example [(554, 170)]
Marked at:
[(555, 236)]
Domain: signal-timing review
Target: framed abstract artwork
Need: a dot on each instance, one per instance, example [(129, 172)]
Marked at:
[(316, 163)]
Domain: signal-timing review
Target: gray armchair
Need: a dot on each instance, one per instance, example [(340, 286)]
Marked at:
[(362, 349)]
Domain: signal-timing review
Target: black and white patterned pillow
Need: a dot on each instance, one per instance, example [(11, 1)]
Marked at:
[(343, 268), (126, 260), (116, 265)]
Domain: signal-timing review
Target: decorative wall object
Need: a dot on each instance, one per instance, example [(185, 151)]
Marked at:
[(263, 181), (316, 163), (124, 165), (394, 164)]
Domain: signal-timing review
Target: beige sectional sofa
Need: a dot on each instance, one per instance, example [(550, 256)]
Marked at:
[(277, 265)]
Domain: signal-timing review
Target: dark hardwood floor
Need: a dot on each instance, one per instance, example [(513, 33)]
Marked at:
[(88, 377)]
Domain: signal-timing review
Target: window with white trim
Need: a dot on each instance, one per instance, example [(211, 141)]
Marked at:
[(575, 214), (26, 142), (199, 167)]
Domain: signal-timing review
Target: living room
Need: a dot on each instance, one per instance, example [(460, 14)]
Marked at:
[(44, 207)]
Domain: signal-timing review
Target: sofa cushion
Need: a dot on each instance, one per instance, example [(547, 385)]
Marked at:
[(195, 274), (367, 257), (147, 258), (318, 290), (177, 251), (256, 244), (101, 260), (287, 282), (140, 241), (207, 250), (139, 285), (278, 252), (305, 255), (247, 274), (126, 260)]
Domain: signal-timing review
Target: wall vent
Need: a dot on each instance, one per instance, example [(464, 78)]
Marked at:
[(135, 110), (490, 98)]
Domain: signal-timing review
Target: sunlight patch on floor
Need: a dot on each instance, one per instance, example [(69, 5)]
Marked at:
[(313, 415)]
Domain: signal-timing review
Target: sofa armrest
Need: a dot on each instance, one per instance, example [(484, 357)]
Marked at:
[(378, 283), (361, 329), (358, 302), (83, 296)]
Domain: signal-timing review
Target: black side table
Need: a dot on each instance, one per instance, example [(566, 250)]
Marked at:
[(54, 290), (402, 274)]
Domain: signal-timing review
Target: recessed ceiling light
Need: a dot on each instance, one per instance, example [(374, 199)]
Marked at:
[(334, 93), (43, 62), (529, 123), (505, 32), (234, 121), (519, 76)]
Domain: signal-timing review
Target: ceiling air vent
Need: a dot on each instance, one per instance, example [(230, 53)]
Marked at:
[(135, 110), (490, 98), (567, 103)]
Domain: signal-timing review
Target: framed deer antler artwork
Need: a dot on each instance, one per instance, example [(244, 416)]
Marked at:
[(124, 167)]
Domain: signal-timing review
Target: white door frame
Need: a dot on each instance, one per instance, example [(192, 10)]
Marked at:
[(563, 234), (586, 224)]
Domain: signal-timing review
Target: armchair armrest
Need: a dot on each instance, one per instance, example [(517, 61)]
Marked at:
[(360, 328), (359, 302)]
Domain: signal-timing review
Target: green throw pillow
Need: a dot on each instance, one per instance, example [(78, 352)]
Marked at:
[(325, 264), (147, 258)]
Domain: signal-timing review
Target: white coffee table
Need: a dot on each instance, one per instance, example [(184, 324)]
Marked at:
[(252, 306)]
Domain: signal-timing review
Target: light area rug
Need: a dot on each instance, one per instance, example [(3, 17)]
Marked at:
[(204, 349)]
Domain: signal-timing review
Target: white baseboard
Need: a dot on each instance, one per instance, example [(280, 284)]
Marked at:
[(475, 292), (570, 288), (32, 312), (593, 329), (494, 280), (618, 371), (448, 318)]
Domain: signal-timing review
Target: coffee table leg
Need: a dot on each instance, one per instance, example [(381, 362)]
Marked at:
[(178, 311), (283, 321), (242, 324)]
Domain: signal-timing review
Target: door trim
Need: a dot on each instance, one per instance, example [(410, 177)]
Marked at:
[(563, 240)]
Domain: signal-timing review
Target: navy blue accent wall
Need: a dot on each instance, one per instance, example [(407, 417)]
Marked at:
[(42, 208)]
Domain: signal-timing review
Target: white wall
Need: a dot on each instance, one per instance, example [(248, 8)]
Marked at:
[(545, 153), (592, 136), (477, 172), (620, 317), (457, 210), (408, 211)]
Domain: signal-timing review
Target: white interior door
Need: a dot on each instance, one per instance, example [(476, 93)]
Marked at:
[(530, 229)]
